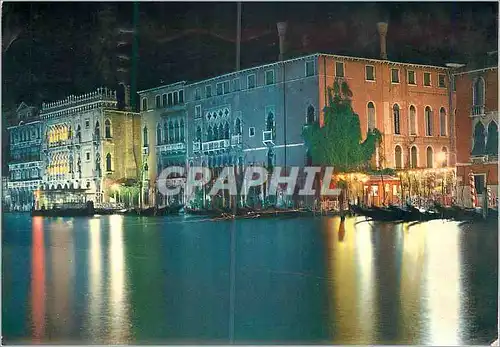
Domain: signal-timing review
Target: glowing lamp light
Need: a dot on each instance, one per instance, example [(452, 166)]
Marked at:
[(441, 156)]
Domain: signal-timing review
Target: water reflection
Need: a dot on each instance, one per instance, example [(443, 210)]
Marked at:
[(95, 274), (38, 280), (116, 280), (117, 291)]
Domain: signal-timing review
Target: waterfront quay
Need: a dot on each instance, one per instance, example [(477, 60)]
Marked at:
[(186, 279)]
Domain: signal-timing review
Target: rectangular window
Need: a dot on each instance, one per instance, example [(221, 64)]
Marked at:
[(208, 91), (395, 75), (427, 79), (251, 132), (441, 81), (411, 77), (218, 88), (370, 72), (339, 69), (236, 84), (144, 104), (176, 98), (181, 96), (309, 68), (170, 99), (197, 94), (479, 183), (269, 77), (87, 123), (197, 111), (158, 101), (225, 87), (251, 81), (87, 156), (164, 100)]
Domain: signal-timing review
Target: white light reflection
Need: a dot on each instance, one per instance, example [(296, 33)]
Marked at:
[(95, 276), (443, 283), (367, 308), (117, 282)]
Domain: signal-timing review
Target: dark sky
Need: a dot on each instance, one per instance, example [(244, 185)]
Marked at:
[(52, 49)]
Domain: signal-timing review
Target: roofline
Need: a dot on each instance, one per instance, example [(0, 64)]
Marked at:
[(476, 70), (161, 87), (309, 56), (24, 123)]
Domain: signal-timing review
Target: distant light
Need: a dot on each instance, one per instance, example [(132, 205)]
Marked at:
[(455, 65)]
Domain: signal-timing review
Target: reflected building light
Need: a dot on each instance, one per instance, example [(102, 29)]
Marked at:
[(119, 327), (367, 307), (62, 273), (38, 280), (95, 276), (443, 283)]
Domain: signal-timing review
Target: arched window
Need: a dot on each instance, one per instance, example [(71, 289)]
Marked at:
[(270, 121), (182, 129), (479, 139), (198, 133), (371, 116), (413, 120), (444, 158), (398, 155), (311, 118), (176, 131), (108, 162), (428, 121), (237, 127), (221, 132), (478, 92), (145, 137), (413, 155), (97, 129), (171, 132), (492, 140), (226, 130), (430, 157), (215, 133), (210, 134), (395, 111), (442, 121), (158, 134), (107, 128)]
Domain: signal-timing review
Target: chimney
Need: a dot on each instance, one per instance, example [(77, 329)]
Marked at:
[(281, 33), (382, 32)]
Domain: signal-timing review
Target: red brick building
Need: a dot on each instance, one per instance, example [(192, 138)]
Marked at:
[(477, 133), (409, 103)]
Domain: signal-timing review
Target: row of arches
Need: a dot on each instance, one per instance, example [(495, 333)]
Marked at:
[(26, 133), (430, 160), (171, 132), (485, 140), (413, 124)]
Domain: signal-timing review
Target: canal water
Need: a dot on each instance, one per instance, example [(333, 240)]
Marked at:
[(118, 280)]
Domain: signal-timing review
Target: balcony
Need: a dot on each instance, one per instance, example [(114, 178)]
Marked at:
[(215, 146), (268, 137), (196, 146), (236, 140), (477, 111), (172, 147)]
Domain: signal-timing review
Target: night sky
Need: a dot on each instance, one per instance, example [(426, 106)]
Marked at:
[(50, 50)]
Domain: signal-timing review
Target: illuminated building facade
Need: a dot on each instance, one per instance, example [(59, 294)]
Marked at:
[(25, 166), (87, 145), (247, 118), (477, 129)]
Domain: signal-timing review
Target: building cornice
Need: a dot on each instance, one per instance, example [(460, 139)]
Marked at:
[(476, 70)]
